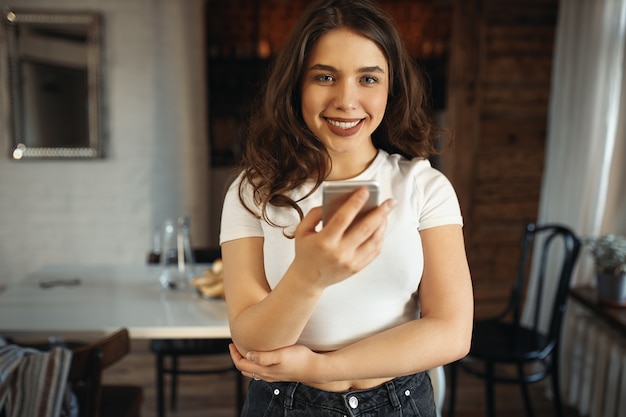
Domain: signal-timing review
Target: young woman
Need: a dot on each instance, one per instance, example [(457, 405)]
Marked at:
[(346, 318)]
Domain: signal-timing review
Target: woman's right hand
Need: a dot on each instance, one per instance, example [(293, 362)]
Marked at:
[(344, 246), (322, 258)]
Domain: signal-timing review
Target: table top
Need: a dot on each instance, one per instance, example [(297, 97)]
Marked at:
[(614, 316), (105, 298)]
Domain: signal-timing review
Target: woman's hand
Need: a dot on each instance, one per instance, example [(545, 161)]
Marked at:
[(292, 363), (344, 246), (322, 258)]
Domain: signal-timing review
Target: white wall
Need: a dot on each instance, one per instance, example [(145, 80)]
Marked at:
[(156, 163)]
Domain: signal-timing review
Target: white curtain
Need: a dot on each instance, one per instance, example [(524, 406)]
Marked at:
[(583, 185), (583, 182), (584, 174)]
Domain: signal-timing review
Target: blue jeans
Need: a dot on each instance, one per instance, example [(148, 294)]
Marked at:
[(404, 396)]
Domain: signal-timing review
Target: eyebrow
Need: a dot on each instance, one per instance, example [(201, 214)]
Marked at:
[(374, 68)]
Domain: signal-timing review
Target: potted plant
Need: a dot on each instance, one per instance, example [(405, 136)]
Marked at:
[(609, 255)]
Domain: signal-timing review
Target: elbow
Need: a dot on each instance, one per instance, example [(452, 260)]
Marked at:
[(464, 343), (458, 339), (460, 351), (239, 345), (463, 350), (244, 344), (463, 329)]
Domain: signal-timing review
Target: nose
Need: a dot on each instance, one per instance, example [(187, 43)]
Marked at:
[(347, 97)]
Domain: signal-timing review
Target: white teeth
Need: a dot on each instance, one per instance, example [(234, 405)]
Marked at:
[(343, 125)]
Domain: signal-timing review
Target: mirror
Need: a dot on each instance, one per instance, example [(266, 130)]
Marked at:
[(53, 80)]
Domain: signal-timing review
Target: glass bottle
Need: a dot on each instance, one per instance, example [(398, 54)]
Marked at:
[(177, 261)]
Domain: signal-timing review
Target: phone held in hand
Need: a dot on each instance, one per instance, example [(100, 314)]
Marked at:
[(335, 193)]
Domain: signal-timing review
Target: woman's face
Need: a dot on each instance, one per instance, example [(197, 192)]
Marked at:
[(344, 92)]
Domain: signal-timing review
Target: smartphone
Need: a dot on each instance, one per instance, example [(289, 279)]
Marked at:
[(336, 193)]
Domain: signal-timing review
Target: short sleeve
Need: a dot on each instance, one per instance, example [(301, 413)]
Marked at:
[(237, 221), (440, 205)]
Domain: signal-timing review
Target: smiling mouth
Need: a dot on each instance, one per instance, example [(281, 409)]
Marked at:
[(344, 125)]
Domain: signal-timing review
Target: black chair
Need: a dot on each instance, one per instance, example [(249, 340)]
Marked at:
[(174, 349), (85, 376), (507, 340)]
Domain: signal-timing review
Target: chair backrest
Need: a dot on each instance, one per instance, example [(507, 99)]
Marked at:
[(207, 255), (88, 362), (554, 250), (200, 255), (438, 380)]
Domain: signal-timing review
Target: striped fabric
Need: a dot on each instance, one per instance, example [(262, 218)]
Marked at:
[(33, 383)]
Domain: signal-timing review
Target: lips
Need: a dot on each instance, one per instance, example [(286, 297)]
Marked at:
[(344, 127)]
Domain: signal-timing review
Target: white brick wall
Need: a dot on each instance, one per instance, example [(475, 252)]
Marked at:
[(156, 150)]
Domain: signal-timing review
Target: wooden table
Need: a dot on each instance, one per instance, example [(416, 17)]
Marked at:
[(106, 298), (614, 316)]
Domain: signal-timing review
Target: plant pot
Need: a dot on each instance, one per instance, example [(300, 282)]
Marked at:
[(611, 288)]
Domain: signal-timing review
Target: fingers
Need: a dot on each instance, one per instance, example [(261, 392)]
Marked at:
[(375, 232), (346, 244), (234, 353), (371, 223), (351, 247), (247, 363), (253, 365), (348, 212), (268, 358), (366, 237), (241, 363), (310, 221)]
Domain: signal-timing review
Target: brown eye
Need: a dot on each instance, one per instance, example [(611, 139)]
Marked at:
[(325, 78), (369, 80)]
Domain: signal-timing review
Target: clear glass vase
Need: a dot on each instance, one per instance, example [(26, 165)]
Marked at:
[(177, 260)]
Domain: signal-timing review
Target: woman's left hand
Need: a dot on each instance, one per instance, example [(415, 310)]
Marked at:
[(291, 363)]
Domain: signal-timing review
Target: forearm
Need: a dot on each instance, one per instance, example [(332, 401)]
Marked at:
[(441, 336), (412, 347), (278, 319), (409, 348)]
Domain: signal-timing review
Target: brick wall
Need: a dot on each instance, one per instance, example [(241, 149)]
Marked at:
[(99, 211)]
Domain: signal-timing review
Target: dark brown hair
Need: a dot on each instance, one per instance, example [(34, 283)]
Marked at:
[(280, 153)]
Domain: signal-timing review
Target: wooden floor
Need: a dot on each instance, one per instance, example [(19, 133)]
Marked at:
[(214, 395)]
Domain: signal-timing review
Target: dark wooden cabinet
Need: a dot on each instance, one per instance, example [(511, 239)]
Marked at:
[(233, 84)]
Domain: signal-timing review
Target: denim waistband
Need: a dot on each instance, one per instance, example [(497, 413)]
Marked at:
[(353, 402)]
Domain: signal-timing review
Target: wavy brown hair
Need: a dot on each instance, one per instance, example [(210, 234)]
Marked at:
[(280, 153)]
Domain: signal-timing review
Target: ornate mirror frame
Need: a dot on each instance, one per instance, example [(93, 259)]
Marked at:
[(52, 77)]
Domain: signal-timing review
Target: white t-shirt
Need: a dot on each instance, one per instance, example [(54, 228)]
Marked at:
[(381, 295)]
